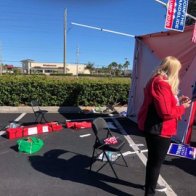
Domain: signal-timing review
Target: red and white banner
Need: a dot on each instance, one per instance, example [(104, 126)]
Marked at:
[(176, 15), (170, 14), (22, 131)]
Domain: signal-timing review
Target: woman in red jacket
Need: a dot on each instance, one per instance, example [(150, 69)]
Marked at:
[(158, 117)]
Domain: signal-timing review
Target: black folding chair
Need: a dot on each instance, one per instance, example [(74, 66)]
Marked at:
[(38, 112), (102, 131)]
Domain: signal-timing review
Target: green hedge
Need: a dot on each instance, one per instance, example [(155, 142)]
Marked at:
[(63, 91)]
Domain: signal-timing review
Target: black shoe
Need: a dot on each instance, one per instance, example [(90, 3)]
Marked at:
[(160, 188)]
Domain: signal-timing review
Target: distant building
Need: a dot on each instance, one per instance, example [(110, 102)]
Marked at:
[(30, 67), (7, 69), (128, 72)]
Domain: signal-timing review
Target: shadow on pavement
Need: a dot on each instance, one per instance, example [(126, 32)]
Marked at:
[(76, 169), (187, 165)]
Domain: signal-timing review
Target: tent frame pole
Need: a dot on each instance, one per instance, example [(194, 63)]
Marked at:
[(101, 29)]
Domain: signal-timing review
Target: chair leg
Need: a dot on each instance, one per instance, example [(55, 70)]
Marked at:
[(123, 159), (110, 164), (36, 118), (92, 158), (41, 119), (108, 160), (44, 118)]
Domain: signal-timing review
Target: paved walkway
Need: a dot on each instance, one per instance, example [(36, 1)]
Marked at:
[(61, 167), (55, 109)]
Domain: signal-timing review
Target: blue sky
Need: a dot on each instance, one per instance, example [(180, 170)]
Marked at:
[(34, 29)]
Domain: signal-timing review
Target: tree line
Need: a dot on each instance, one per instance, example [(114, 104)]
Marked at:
[(113, 69)]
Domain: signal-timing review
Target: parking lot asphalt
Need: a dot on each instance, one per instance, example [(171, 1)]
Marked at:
[(61, 167)]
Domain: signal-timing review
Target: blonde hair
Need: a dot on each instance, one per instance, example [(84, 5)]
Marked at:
[(170, 66)]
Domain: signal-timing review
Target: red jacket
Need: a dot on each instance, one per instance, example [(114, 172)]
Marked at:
[(159, 112)]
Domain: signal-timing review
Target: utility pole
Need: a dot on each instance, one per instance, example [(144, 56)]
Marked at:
[(65, 36), (1, 62), (77, 60)]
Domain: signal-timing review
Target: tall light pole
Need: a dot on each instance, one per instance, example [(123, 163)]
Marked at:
[(77, 59), (65, 38), (1, 61)]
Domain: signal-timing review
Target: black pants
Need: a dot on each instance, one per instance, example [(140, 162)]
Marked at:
[(157, 150)]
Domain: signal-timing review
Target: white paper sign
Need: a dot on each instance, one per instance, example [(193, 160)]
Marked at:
[(32, 130), (45, 129)]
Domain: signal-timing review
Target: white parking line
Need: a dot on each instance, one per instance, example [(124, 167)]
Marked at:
[(133, 152), (15, 120), (20, 117), (142, 157), (85, 135)]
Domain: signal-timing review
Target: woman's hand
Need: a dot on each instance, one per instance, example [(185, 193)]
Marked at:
[(187, 103), (183, 99)]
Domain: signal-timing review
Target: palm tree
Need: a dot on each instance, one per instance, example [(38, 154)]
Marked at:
[(126, 65), (112, 66), (90, 67), (119, 69)]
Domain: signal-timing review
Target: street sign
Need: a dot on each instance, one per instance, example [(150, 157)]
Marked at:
[(176, 15), (182, 150)]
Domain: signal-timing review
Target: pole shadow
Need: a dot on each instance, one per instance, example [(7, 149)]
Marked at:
[(187, 165), (76, 169)]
